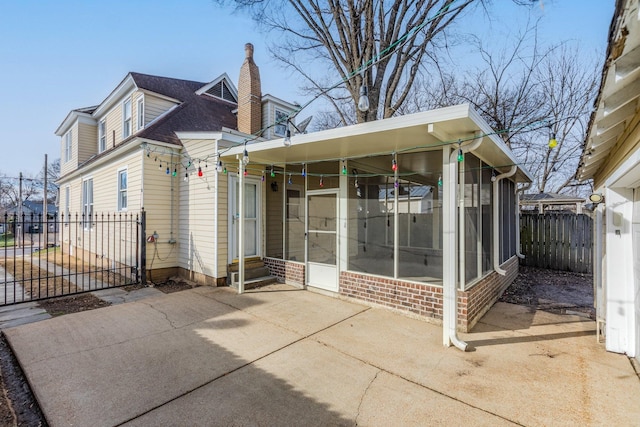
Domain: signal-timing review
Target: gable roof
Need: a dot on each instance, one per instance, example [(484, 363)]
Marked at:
[(195, 113)]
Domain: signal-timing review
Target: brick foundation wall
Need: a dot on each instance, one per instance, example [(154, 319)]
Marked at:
[(421, 299), (475, 302), (416, 298), (286, 271)]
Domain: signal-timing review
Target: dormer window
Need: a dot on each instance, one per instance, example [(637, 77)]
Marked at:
[(126, 119), (140, 108), (280, 128), (67, 146), (102, 136)]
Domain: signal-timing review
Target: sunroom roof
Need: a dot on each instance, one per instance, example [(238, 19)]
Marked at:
[(424, 131)]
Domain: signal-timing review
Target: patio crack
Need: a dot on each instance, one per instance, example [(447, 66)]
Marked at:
[(166, 316), (366, 391)]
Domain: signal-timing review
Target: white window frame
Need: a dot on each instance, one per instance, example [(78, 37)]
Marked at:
[(126, 118), (68, 142), (67, 203), (87, 202), (123, 190), (280, 129), (102, 135), (140, 112)]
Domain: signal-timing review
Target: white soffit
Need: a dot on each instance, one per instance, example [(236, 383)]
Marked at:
[(410, 133)]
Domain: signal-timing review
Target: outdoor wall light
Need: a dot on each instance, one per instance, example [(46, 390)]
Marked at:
[(274, 187)]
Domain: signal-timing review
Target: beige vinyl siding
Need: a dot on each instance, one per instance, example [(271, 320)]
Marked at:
[(159, 200), (196, 229), (72, 164), (268, 118), (113, 121), (105, 238), (87, 141), (154, 107)]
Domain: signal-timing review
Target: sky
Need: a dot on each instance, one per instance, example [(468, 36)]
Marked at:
[(60, 55)]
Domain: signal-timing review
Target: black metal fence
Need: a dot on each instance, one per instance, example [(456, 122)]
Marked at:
[(49, 257)]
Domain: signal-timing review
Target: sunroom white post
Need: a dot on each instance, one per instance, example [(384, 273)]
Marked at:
[(343, 224), (396, 225), (448, 247), (240, 225), (462, 260)]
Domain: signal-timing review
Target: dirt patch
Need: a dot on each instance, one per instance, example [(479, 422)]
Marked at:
[(18, 406), (175, 285), (72, 304), (554, 291)]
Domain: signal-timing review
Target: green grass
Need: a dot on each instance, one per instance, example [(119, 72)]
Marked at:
[(6, 240)]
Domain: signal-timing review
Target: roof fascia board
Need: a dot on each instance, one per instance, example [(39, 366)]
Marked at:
[(159, 95), (71, 118), (127, 85)]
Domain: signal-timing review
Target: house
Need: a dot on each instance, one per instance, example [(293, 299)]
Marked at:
[(368, 211), (33, 215), (542, 202), (611, 157)]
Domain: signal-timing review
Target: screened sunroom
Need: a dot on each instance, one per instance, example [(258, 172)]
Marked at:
[(393, 212)]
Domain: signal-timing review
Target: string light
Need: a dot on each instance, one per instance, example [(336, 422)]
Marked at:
[(396, 184), (168, 171), (287, 135), (321, 181), (273, 173), (186, 176), (304, 170), (290, 182), (245, 173), (344, 168), (200, 173), (175, 172), (245, 156), (553, 142), (440, 181), (219, 166), (460, 153), (262, 179), (394, 163), (224, 171)]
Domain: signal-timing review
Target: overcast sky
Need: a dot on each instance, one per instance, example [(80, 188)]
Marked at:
[(56, 56)]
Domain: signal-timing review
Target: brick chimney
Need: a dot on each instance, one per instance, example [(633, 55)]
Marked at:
[(249, 94)]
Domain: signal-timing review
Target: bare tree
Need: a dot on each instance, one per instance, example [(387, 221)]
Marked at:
[(376, 44), (527, 93)]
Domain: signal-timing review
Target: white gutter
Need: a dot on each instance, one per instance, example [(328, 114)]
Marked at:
[(519, 191), (496, 221), (449, 289)]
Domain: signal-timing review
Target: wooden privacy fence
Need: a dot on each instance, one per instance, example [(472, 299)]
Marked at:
[(558, 241)]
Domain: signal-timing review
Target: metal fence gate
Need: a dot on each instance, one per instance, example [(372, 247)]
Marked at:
[(558, 241), (50, 257)]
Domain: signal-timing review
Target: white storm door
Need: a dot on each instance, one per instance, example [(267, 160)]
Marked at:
[(322, 239), (251, 217)]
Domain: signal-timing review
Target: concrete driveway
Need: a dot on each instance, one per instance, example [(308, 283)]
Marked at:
[(282, 356)]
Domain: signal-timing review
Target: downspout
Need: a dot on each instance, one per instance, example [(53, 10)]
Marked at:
[(519, 191), (449, 291), (496, 222)]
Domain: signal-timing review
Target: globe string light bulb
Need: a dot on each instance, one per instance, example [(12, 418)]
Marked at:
[(200, 173), (363, 102)]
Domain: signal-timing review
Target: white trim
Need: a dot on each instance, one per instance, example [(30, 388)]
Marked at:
[(83, 202), (126, 100), (140, 102), (632, 161), (119, 190), (68, 146), (162, 115), (231, 206), (159, 95), (104, 135), (280, 102), (73, 117)]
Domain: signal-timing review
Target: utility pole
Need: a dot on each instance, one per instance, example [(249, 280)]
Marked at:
[(45, 204)]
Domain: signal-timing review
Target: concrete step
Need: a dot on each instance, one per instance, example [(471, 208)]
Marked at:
[(254, 283), (248, 264)]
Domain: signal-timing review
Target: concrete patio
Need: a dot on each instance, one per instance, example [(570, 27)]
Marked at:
[(283, 356)]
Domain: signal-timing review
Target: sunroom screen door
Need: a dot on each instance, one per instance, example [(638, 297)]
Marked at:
[(251, 218), (322, 239)]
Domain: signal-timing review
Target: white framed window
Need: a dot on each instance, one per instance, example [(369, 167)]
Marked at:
[(87, 201), (68, 138), (122, 189), (126, 118), (140, 108), (67, 203), (102, 136), (280, 128)]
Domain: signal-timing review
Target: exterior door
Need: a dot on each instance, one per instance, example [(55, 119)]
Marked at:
[(322, 239), (251, 217)]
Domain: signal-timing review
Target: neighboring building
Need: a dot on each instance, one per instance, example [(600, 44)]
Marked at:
[(611, 157), (542, 202), (33, 215), (324, 212)]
